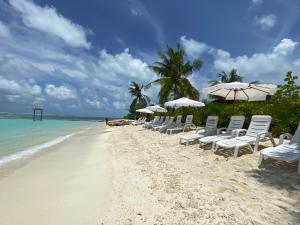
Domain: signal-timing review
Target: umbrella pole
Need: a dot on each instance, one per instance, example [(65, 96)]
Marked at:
[(233, 105)]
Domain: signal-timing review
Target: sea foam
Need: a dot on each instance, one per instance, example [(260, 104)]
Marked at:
[(32, 150)]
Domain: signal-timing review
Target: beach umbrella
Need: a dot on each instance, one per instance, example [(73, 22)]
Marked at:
[(242, 91), (184, 102), (144, 110), (157, 108)]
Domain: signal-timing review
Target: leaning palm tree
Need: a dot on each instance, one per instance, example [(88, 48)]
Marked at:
[(140, 100), (173, 72)]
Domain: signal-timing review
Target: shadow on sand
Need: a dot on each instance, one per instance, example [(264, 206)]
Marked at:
[(282, 176)]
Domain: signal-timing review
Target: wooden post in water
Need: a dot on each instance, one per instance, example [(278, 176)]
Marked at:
[(40, 110)]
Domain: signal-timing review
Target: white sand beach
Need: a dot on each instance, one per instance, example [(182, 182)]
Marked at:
[(129, 175)]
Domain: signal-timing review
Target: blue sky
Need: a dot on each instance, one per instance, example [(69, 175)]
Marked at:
[(78, 57)]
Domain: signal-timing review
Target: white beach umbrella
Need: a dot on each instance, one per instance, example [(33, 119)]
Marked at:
[(184, 102), (157, 108), (242, 91), (144, 110)]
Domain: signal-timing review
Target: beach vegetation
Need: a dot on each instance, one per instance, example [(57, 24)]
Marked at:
[(173, 71), (140, 100), (283, 107)]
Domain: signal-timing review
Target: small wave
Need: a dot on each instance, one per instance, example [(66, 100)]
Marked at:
[(32, 150)]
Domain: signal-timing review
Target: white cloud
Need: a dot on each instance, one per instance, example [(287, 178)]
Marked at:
[(19, 92), (94, 103), (266, 67), (120, 105), (123, 65), (4, 31), (266, 22), (285, 47), (135, 12), (194, 48), (61, 92), (257, 2), (48, 20)]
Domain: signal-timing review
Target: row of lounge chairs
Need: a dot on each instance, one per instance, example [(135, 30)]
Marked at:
[(233, 137)]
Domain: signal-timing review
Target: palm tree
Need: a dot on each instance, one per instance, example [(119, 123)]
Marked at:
[(140, 100), (228, 78), (173, 72)]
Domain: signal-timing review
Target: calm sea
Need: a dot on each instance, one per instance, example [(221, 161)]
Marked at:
[(20, 136)]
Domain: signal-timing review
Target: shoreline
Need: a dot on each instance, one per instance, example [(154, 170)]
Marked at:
[(64, 184), (30, 151)]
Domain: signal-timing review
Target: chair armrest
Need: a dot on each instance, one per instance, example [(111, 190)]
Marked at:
[(267, 134), (284, 136), (238, 132), (221, 129)]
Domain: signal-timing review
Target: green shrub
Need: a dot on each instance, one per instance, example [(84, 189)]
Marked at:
[(285, 113)]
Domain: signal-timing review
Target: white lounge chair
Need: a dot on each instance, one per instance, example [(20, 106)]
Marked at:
[(154, 121), (170, 124), (158, 123), (183, 127), (166, 124), (284, 152), (139, 122), (210, 129), (258, 131), (136, 122), (163, 122), (236, 122)]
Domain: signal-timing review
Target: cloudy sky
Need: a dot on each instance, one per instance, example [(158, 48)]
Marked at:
[(78, 57)]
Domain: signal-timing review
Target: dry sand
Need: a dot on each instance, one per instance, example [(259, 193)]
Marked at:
[(158, 181), (129, 175)]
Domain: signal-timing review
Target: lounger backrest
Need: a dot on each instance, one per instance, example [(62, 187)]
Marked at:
[(156, 119), (161, 120), (211, 124), (188, 120), (166, 120), (296, 137), (171, 120), (236, 122), (178, 120), (258, 125)]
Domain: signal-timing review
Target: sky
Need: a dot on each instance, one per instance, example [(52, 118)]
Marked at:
[(78, 57)]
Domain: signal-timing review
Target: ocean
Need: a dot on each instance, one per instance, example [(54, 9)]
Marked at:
[(20, 136)]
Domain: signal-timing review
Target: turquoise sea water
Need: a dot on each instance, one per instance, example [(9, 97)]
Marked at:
[(20, 136)]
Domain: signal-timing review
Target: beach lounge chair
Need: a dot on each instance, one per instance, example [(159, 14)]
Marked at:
[(182, 127), (284, 152), (154, 121), (258, 130), (170, 123), (177, 123), (163, 122), (158, 123), (210, 129), (167, 123), (140, 121), (136, 121), (236, 122)]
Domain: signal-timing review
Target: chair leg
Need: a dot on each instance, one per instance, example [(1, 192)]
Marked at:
[(260, 160), (250, 147), (216, 148), (213, 146), (236, 151), (256, 146)]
